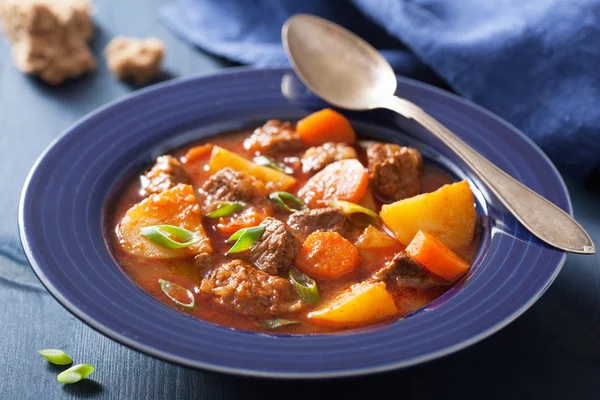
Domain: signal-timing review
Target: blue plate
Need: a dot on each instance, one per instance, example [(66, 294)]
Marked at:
[(61, 228)]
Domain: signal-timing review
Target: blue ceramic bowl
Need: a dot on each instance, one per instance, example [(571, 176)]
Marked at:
[(61, 227)]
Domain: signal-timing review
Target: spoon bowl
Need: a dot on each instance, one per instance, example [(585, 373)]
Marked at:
[(336, 65)]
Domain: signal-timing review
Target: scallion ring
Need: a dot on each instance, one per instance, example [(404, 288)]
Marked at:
[(75, 373), (277, 323), (177, 293), (156, 234), (55, 356), (281, 197), (245, 238), (267, 162), (305, 286), (226, 208), (354, 211)]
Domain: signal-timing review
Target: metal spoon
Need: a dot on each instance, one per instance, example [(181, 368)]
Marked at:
[(347, 72)]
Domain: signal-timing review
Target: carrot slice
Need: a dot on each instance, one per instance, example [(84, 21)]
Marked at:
[(342, 180), (246, 219), (436, 257), (198, 153), (325, 126), (327, 255)]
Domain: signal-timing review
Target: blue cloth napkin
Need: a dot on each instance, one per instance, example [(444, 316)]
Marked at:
[(536, 63)]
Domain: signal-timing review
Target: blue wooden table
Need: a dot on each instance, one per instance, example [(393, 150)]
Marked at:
[(551, 352)]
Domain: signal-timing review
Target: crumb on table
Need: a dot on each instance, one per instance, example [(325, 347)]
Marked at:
[(49, 38), (133, 59)]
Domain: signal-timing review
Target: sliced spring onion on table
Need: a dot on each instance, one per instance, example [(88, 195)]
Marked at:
[(75, 373), (245, 238), (267, 162), (281, 197), (178, 293), (162, 235), (357, 214), (226, 208), (277, 323), (305, 286), (56, 356)]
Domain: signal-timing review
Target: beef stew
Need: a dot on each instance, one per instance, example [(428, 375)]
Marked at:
[(293, 228)]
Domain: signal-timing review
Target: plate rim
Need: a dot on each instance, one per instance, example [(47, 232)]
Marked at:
[(115, 335)]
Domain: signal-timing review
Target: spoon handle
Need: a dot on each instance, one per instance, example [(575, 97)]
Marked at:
[(542, 218)]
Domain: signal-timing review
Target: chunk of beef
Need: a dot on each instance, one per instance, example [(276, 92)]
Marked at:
[(274, 137), (165, 174), (248, 291), (303, 223), (403, 270), (231, 185), (395, 171), (276, 248), (318, 157)]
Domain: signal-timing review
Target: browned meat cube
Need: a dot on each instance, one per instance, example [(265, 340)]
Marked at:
[(276, 248), (303, 223), (318, 157), (231, 185), (274, 137), (165, 174), (395, 171), (403, 270), (242, 288), (134, 59)]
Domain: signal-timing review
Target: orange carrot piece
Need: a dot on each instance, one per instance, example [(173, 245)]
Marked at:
[(246, 219), (325, 126), (198, 153), (327, 255), (436, 257), (342, 180)]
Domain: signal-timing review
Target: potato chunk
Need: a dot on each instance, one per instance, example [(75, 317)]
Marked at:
[(448, 214), (362, 304), (274, 180), (372, 239), (176, 206)]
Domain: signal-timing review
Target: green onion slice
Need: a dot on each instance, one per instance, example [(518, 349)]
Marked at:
[(267, 162), (277, 323), (156, 234), (245, 238), (75, 373), (177, 293), (55, 356), (281, 197), (305, 286), (359, 215), (226, 208)]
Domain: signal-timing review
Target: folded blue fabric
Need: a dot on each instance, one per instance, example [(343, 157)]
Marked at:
[(536, 63)]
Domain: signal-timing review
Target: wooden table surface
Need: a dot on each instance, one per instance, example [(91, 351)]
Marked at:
[(551, 352)]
